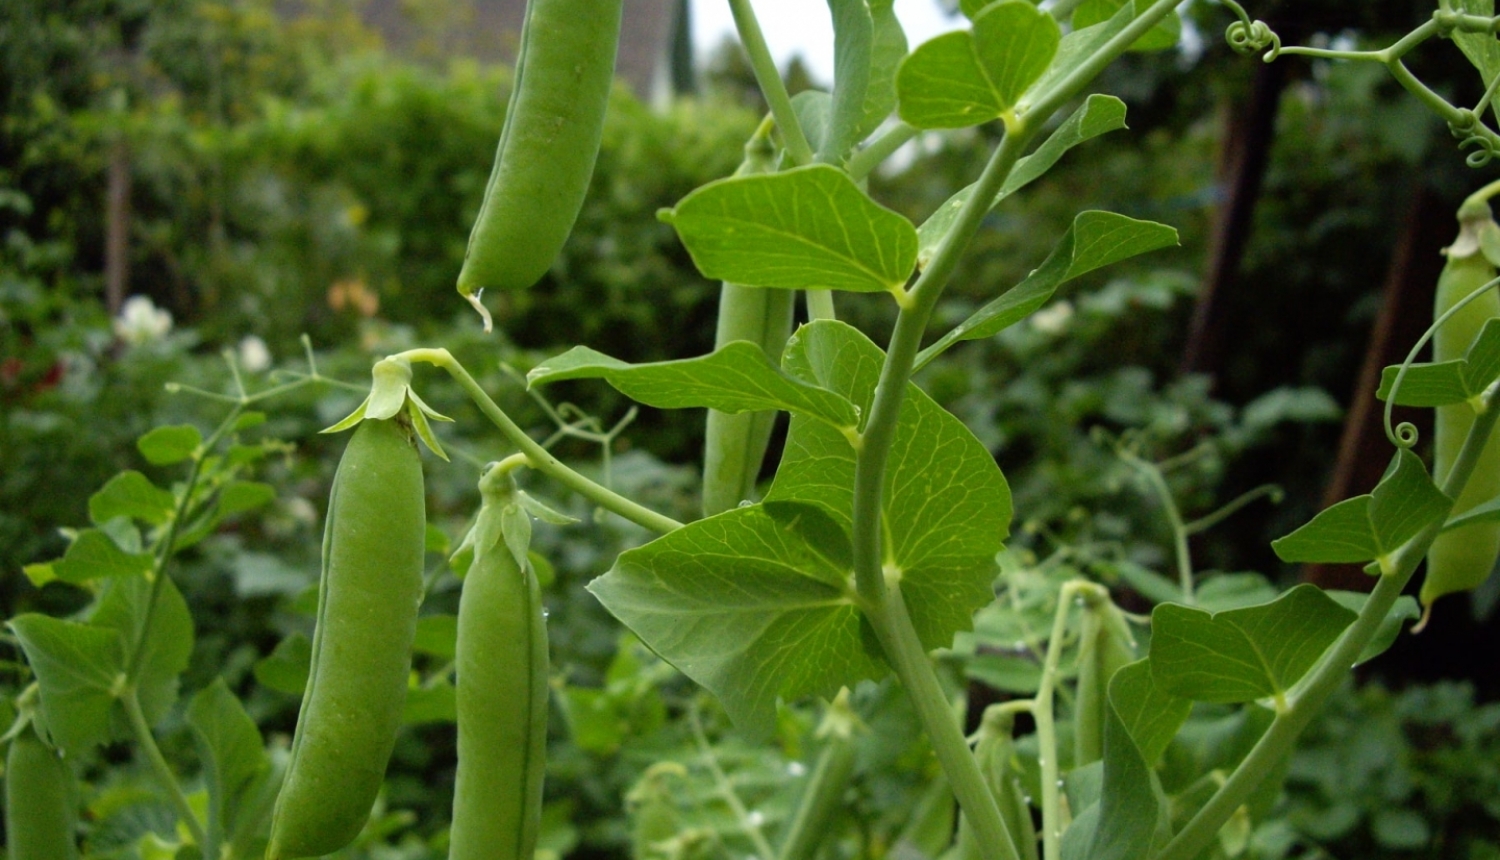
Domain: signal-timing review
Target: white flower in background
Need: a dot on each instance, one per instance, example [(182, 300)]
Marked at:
[(1054, 318), (141, 322), (254, 356)]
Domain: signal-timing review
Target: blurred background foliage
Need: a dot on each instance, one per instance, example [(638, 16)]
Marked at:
[(285, 174)]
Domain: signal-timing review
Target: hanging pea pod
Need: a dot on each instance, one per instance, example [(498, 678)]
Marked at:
[(995, 751), (502, 685), (1104, 645), (1460, 560), (39, 802)]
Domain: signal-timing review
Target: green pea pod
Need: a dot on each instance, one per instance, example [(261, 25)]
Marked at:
[(995, 752), (371, 586), (553, 125), (501, 687), (735, 445), (1462, 559), (1103, 647), (39, 805), (824, 794)]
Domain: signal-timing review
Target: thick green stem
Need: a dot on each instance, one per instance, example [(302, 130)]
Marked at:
[(163, 772), (1282, 734), (769, 79), (540, 458), (904, 651), (821, 799), (820, 305), (1046, 723), (863, 162)]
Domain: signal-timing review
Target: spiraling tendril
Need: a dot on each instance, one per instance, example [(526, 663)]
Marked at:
[(1404, 435), (1471, 133), (1252, 37)]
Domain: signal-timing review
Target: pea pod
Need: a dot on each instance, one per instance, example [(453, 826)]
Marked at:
[(553, 125), (1462, 559), (501, 688), (995, 752), (1104, 645), (371, 585), (824, 795), (39, 809)]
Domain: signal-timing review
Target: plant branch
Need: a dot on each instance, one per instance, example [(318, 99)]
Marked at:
[(726, 789), (1046, 725), (1279, 738), (769, 79), (863, 162), (540, 458), (163, 772)]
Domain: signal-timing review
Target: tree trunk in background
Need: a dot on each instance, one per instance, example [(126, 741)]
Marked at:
[(1405, 311), (1250, 131), (117, 228)]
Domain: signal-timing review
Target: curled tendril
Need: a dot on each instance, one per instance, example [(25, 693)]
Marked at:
[(1406, 435), (1252, 37), (1471, 133)]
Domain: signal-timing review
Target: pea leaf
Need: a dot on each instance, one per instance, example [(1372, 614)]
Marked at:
[(1077, 47), (231, 749), (437, 635), (1426, 384), (1098, 114), (77, 666), (1241, 655), (285, 669), (1131, 807), (806, 228), (737, 377), (946, 505), (853, 41), (1482, 362), (131, 494), (1482, 49), (971, 77), (1095, 239), (94, 555), (1487, 512), (1164, 35), (123, 608), (1370, 526), (1405, 609), (754, 604), (887, 50), (240, 496), (164, 446)]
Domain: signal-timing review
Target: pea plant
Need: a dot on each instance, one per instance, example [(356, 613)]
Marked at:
[(880, 540)]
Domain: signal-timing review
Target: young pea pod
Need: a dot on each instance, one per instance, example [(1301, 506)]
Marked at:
[(553, 125), (1462, 559), (1104, 645), (735, 445), (824, 794), (501, 688), (39, 804), (995, 751), (371, 586)]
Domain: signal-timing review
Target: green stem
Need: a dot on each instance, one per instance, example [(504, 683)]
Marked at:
[(1174, 519), (1063, 8), (863, 162), (1046, 724), (769, 79), (820, 305), (726, 789), (820, 800), (1282, 734), (1483, 195), (163, 772), (904, 651), (540, 458)]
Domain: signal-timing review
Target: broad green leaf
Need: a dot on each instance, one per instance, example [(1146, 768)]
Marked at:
[(231, 750), (94, 555), (164, 446), (1425, 384), (435, 704), (814, 109), (737, 377), (1243, 654), (806, 228), (1489, 512), (1149, 714), (131, 494), (972, 8), (945, 504), (887, 50), (123, 609), (968, 78), (1371, 526), (77, 668), (285, 669), (1077, 840), (1130, 804), (853, 43), (437, 636), (1095, 239), (1482, 49), (1164, 35), (1405, 609), (240, 496), (1483, 358), (1098, 115), (754, 604)]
